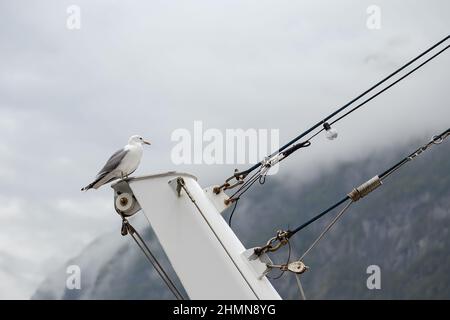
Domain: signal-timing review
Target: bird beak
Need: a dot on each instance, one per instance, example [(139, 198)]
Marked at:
[(146, 142)]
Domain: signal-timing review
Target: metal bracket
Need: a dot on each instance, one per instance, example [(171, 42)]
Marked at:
[(219, 200), (176, 185), (259, 264), (181, 185)]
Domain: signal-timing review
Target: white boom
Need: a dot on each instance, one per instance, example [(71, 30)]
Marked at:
[(207, 256)]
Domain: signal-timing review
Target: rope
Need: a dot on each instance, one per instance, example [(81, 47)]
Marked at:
[(300, 287), (128, 228), (320, 215), (262, 172), (330, 225), (391, 85), (285, 264), (355, 195), (246, 185), (232, 212), (258, 176), (375, 182), (434, 141), (241, 175)]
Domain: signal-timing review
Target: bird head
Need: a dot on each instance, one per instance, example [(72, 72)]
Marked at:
[(137, 140)]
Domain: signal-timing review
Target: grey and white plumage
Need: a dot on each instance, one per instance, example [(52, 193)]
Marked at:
[(121, 164)]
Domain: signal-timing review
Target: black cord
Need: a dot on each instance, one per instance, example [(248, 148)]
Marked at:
[(408, 157), (152, 259), (377, 94), (246, 172), (245, 184), (389, 86), (262, 177), (232, 212), (244, 188), (256, 177), (287, 261), (381, 176), (320, 215)]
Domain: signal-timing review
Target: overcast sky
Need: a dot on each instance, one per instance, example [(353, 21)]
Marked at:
[(69, 98)]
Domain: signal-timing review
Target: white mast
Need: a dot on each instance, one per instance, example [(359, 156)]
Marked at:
[(208, 258)]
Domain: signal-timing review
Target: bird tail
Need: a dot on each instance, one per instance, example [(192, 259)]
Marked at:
[(89, 186), (100, 180), (92, 184)]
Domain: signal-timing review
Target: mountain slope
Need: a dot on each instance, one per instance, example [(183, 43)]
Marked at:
[(403, 227), (112, 267)]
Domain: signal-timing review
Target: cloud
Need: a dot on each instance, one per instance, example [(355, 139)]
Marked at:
[(68, 99)]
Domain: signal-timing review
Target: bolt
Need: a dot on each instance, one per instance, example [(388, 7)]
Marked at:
[(123, 201)]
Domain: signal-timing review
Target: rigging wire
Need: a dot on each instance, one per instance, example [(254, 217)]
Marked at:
[(246, 185), (327, 228), (260, 175), (300, 287), (297, 275), (320, 215), (287, 261), (434, 141), (243, 174), (381, 91), (358, 97), (298, 267), (127, 228), (367, 100), (232, 212), (391, 85), (243, 189)]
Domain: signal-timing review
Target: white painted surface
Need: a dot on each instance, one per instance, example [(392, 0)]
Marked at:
[(202, 248)]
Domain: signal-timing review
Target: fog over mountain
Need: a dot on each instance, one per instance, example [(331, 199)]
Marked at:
[(403, 227), (70, 97)]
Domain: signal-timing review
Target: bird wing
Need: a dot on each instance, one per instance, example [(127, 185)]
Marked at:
[(113, 162)]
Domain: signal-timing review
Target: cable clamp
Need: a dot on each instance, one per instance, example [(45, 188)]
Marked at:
[(269, 162), (364, 189)]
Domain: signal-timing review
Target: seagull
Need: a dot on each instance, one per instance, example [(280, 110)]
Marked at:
[(121, 164)]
